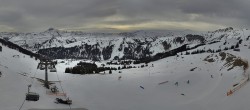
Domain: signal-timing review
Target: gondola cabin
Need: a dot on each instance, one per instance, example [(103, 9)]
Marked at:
[(31, 96)]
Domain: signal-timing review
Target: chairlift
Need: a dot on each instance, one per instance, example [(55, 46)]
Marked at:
[(50, 67), (61, 101), (53, 70), (41, 67), (32, 96)]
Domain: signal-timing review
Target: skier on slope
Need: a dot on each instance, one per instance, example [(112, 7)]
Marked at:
[(119, 78), (176, 83)]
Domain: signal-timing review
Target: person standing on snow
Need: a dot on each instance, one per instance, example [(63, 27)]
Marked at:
[(176, 83)]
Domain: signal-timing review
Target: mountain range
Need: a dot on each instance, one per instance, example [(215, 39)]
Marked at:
[(127, 45)]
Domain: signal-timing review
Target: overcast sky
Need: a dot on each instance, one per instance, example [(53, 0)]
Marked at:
[(123, 15)]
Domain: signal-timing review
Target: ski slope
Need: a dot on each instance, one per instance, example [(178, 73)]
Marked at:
[(107, 92)]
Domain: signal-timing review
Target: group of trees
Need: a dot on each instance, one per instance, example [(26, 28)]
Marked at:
[(191, 37), (212, 51), (216, 51), (87, 68), (129, 66), (198, 51), (120, 62), (158, 56), (91, 68), (84, 51)]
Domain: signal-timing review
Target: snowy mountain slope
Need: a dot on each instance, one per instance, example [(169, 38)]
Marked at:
[(13, 84), (105, 92), (208, 84)]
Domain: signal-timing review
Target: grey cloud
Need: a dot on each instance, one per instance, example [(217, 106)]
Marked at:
[(128, 21), (223, 12), (37, 15), (54, 13), (65, 8)]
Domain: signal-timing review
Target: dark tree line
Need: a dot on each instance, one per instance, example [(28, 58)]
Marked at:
[(90, 52), (87, 68), (120, 62), (20, 49), (158, 56), (191, 37), (214, 51)]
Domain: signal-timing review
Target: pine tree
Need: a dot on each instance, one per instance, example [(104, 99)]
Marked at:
[(67, 70), (237, 45), (232, 47), (240, 41), (225, 48)]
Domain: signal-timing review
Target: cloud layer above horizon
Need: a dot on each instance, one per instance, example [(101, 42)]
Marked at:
[(122, 15)]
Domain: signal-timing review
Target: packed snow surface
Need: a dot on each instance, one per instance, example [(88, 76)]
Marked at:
[(137, 89)]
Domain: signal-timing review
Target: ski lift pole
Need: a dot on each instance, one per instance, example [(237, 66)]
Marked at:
[(29, 88), (46, 63), (46, 83)]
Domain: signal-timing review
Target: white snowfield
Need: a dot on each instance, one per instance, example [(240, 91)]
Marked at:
[(137, 89)]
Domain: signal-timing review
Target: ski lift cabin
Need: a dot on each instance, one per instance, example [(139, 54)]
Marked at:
[(32, 96), (53, 70), (51, 66), (41, 67)]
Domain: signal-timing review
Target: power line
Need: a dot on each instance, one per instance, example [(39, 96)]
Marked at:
[(28, 91), (22, 104), (61, 86), (33, 77)]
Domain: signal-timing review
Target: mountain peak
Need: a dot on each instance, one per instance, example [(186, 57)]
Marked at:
[(52, 30), (228, 29)]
